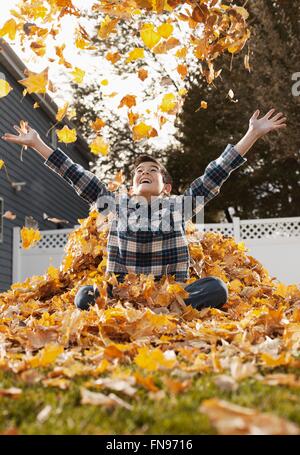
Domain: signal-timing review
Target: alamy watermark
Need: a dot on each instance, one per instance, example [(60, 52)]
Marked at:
[(165, 214), (296, 85)]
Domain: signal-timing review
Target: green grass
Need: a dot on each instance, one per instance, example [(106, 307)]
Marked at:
[(170, 415)]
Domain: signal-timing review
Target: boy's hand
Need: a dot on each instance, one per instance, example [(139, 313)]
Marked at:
[(30, 137), (267, 123)]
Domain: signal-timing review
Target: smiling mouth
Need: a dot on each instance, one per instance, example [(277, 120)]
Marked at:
[(145, 181)]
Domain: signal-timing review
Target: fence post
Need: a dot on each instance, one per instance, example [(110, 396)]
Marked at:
[(236, 228), (16, 255)]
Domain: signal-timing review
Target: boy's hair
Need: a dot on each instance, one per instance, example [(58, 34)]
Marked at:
[(143, 158)]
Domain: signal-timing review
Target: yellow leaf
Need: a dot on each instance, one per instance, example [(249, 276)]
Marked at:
[(168, 103), (142, 131), (47, 355), (203, 105), (66, 135), (107, 27), (104, 82), (5, 88), (9, 28), (165, 30), (78, 75), (53, 273), (281, 290), (274, 361), (154, 359), (182, 91), (181, 53), (135, 54), (36, 82), (99, 146), (62, 112), (29, 237), (1, 164), (149, 36), (36, 105)]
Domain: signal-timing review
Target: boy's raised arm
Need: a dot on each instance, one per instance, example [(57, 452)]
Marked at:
[(85, 183), (208, 185)]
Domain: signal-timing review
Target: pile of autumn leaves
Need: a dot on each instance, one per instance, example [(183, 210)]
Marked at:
[(45, 338)]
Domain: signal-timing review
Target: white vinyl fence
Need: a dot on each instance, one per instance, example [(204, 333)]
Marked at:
[(274, 242)]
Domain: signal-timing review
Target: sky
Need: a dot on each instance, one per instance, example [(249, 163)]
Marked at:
[(98, 69)]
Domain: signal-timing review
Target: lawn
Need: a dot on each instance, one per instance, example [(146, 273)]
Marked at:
[(170, 414)]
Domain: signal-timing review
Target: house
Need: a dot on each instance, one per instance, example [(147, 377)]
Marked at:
[(38, 189)]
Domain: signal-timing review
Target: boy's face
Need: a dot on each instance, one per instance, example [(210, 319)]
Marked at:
[(148, 180)]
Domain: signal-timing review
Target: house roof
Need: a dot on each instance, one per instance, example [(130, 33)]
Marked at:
[(14, 65)]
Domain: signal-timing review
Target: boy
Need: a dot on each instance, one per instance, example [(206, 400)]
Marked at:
[(163, 248)]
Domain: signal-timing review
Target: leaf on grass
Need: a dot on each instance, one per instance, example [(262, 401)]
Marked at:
[(155, 359), (231, 419), (12, 392), (99, 399)]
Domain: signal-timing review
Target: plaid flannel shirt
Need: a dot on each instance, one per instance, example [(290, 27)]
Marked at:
[(150, 251)]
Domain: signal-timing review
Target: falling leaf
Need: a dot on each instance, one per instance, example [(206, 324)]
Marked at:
[(36, 82), (98, 124), (99, 146), (5, 88), (9, 215), (78, 75), (182, 70), (142, 74), (2, 164), (104, 82), (29, 237), (203, 105), (113, 57), (107, 27), (149, 36), (62, 112), (128, 100), (143, 131), (10, 29), (135, 54), (168, 103), (165, 30), (66, 135), (247, 62)]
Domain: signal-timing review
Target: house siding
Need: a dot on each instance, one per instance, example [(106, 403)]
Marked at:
[(44, 190)]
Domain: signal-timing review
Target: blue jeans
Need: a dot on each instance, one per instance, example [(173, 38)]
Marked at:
[(205, 292)]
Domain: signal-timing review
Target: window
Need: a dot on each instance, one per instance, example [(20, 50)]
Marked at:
[(1, 219)]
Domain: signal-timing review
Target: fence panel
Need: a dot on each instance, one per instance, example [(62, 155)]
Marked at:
[(274, 242)]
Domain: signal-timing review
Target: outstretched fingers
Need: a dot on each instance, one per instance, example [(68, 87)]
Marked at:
[(269, 114), (255, 115), (11, 138)]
